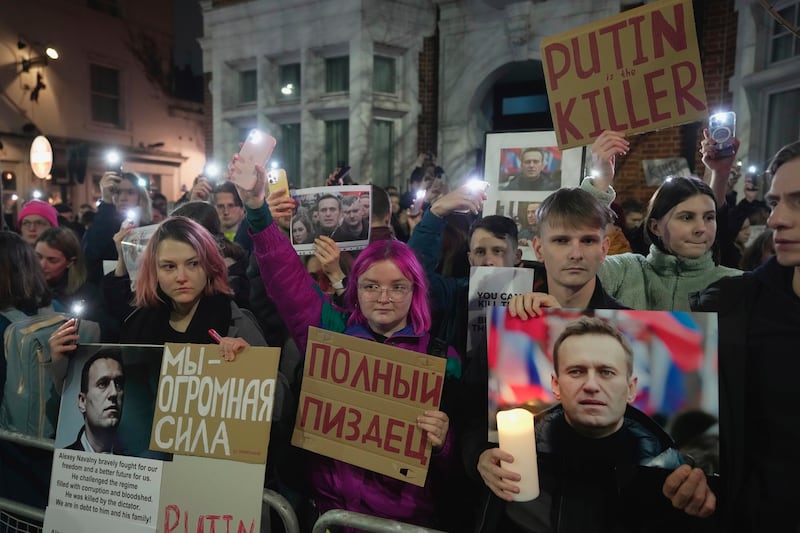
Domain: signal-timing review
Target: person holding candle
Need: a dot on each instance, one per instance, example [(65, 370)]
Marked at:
[(601, 462)]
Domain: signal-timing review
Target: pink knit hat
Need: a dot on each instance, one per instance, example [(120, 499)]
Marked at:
[(43, 209)]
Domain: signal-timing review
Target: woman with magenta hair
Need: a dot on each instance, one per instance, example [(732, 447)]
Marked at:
[(385, 302)]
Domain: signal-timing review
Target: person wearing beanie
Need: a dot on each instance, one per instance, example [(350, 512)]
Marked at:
[(35, 217)]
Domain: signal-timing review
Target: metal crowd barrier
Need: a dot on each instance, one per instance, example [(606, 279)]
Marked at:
[(17, 517), (338, 517), (284, 510)]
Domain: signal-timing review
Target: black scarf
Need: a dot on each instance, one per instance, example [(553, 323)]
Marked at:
[(150, 325)]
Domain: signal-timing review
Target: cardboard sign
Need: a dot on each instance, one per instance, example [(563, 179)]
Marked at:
[(360, 400), (634, 72), (209, 407), (657, 170)]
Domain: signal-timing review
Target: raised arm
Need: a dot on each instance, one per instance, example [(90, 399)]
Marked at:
[(285, 278), (604, 151)]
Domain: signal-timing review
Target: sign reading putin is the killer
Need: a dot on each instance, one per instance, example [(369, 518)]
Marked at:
[(634, 72)]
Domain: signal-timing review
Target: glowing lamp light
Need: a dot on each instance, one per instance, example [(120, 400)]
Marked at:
[(142, 183), (287, 89), (752, 169), (37, 194), (273, 164), (14, 197), (51, 52)]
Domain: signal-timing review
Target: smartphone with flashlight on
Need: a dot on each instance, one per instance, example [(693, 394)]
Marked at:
[(133, 216), (722, 128), (416, 205), (256, 150), (77, 311), (474, 186), (277, 181)]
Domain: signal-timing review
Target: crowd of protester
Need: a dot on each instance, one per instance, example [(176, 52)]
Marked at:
[(222, 258)]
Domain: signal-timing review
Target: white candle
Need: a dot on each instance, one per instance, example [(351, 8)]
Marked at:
[(515, 433)]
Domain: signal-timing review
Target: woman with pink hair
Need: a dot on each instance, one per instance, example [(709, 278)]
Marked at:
[(385, 301), (181, 292)]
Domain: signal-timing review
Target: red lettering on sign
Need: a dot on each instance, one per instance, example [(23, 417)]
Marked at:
[(682, 94), (662, 31), (653, 95)]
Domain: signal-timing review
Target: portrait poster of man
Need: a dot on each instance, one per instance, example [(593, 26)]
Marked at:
[(674, 360), (526, 167), (340, 212), (108, 400), (532, 168)]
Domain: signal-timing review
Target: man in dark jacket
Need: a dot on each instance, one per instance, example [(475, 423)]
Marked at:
[(759, 325), (100, 403), (603, 465)]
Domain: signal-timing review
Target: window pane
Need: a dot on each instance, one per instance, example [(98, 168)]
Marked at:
[(105, 96), (288, 149), (337, 74), (382, 152), (383, 75), (783, 127), (289, 80), (104, 80), (783, 44), (105, 109), (247, 86), (336, 143)]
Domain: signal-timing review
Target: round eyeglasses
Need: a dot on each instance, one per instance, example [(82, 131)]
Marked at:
[(373, 291)]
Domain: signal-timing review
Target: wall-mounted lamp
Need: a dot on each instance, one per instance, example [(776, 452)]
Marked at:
[(50, 53), (28, 63)]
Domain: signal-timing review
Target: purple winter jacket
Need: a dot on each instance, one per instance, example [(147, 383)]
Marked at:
[(339, 485)]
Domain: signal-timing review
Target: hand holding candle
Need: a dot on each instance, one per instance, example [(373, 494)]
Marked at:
[(515, 431)]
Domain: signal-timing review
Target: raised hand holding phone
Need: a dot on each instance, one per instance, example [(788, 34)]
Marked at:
[(256, 150)]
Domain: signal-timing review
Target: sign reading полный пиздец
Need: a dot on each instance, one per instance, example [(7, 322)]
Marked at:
[(634, 72)]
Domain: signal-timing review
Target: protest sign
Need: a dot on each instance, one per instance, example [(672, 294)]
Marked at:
[(657, 170), (206, 495), (102, 468), (133, 246), (135, 488), (634, 72), (209, 407), (492, 287), (340, 212), (674, 359), (360, 400)]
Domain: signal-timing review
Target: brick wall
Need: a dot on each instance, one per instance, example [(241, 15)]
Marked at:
[(716, 22), (428, 94)]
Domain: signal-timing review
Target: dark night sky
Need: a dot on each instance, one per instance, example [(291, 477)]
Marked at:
[(188, 22)]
